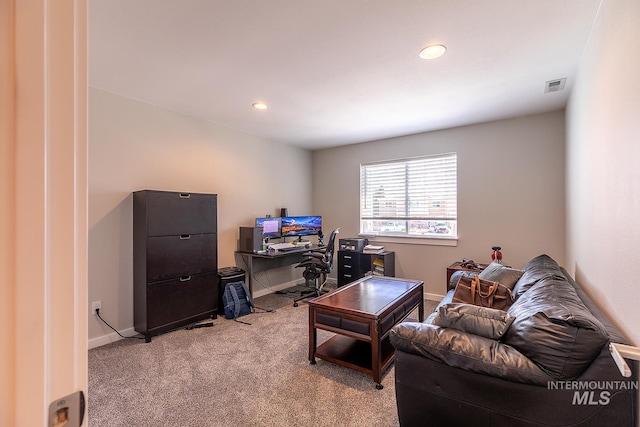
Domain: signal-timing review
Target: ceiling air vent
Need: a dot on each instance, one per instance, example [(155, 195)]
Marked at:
[(554, 85)]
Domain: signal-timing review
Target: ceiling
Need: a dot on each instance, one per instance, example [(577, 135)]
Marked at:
[(337, 72)]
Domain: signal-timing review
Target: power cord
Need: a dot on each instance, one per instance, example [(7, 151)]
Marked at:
[(199, 325), (105, 322)]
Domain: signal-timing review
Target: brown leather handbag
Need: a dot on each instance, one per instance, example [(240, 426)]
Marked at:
[(484, 293)]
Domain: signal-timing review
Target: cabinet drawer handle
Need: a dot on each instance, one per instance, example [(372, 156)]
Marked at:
[(185, 236), (347, 266), (185, 278), (347, 257), (347, 275), (185, 195)]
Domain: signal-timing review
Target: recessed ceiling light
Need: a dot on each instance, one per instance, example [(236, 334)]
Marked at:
[(259, 105), (433, 51)]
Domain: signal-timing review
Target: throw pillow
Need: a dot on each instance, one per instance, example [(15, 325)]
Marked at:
[(507, 276), (483, 321)]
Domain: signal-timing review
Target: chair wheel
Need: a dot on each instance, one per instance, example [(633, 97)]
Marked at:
[(379, 386), (313, 362), (295, 304)]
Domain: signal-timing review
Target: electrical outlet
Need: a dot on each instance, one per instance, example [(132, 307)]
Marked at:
[(96, 305)]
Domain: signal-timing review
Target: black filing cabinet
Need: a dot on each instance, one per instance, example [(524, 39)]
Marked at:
[(175, 260), (348, 267), (354, 265)]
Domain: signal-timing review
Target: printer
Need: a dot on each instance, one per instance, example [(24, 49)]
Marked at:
[(352, 244)]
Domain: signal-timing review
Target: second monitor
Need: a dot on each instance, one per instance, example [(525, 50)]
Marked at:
[(301, 225)]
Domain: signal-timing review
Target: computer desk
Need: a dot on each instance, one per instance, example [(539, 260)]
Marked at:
[(257, 262)]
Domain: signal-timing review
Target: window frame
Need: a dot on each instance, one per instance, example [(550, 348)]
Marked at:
[(410, 201)]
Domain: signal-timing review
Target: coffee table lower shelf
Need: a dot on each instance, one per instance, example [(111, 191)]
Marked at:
[(361, 315), (354, 354)]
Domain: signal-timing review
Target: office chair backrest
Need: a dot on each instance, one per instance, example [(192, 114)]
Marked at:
[(331, 247)]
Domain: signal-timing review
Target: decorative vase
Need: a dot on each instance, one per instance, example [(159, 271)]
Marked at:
[(496, 255)]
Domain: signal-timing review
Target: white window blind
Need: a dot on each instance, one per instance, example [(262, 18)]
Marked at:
[(412, 197)]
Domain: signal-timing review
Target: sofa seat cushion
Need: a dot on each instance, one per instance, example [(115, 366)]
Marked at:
[(448, 299), (466, 351), (483, 321), (554, 328)]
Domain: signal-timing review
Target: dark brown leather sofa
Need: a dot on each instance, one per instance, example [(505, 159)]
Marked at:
[(552, 366)]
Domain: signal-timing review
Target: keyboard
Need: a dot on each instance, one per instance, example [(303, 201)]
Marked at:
[(282, 246)]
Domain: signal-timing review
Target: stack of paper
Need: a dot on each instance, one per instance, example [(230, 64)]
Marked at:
[(372, 249), (378, 267)]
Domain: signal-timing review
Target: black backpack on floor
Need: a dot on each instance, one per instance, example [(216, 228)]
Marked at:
[(237, 300)]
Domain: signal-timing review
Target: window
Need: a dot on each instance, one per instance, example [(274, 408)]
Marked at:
[(414, 197)]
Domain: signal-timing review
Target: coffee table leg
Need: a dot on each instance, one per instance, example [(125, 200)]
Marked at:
[(376, 357), (312, 337)]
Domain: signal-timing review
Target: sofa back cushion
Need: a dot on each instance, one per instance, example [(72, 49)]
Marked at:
[(540, 267), (554, 328)]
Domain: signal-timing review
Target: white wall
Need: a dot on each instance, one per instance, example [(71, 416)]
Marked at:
[(511, 189), (135, 146), (603, 150), (510, 192)]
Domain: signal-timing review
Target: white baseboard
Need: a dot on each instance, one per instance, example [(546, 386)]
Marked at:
[(113, 337), (433, 297), (109, 338), (266, 291)]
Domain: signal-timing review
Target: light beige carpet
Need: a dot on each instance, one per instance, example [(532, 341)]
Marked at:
[(234, 375)]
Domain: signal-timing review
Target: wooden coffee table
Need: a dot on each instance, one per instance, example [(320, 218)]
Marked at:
[(361, 315)]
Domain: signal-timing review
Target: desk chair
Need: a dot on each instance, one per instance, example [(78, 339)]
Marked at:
[(317, 265)]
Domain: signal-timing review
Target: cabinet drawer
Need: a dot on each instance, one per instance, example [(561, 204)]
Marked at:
[(349, 271), (175, 300), (349, 260), (347, 277), (173, 256), (170, 213)]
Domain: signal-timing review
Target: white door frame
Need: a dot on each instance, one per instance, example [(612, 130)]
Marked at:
[(44, 199)]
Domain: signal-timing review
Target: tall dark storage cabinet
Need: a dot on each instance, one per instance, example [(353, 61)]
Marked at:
[(175, 260)]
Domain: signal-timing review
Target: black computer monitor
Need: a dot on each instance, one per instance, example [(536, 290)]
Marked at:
[(301, 225), (271, 227)]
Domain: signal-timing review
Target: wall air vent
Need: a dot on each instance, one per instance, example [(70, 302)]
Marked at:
[(554, 85)]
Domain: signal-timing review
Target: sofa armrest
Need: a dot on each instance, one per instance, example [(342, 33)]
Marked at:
[(466, 351)]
